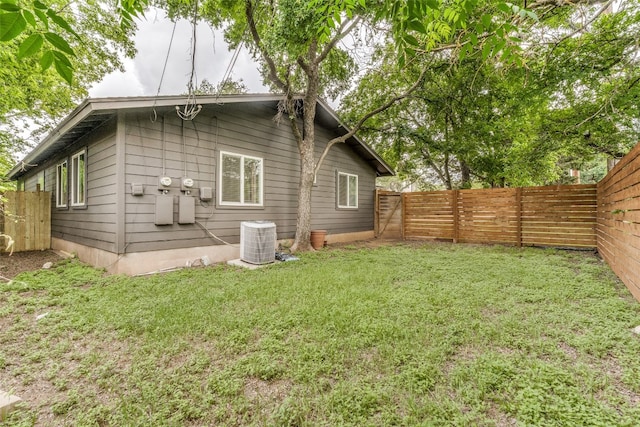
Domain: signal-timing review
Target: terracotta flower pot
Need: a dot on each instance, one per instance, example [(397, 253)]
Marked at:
[(318, 238)]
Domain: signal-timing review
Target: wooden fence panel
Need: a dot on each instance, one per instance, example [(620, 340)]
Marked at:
[(606, 216), (388, 215), (488, 216), (618, 220), (560, 215), (428, 215), (27, 220)]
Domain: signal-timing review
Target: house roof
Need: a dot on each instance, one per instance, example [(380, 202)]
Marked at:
[(93, 112)]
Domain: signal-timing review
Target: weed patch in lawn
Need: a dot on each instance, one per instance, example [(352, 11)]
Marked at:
[(431, 334)]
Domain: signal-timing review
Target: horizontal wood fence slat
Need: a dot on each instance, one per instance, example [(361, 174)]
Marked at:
[(605, 216), (563, 215), (618, 231), (560, 216), (27, 219)]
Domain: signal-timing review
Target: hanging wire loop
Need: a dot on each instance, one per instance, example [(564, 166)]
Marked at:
[(191, 107)]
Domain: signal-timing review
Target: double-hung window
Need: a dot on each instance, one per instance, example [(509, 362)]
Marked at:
[(347, 191), (62, 189), (79, 179), (241, 180)]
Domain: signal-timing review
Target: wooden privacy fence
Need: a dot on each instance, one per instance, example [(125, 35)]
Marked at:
[(619, 220), (27, 219), (561, 216)]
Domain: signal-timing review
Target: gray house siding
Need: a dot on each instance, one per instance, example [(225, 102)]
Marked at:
[(240, 129), (325, 214), (94, 224), (31, 182), (124, 147)]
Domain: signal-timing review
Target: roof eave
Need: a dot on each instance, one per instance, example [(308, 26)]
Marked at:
[(76, 116), (111, 105)]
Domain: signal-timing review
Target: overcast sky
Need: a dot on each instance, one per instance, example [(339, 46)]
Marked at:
[(143, 73)]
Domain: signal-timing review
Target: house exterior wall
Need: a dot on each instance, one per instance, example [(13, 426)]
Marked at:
[(193, 149), (324, 212), (94, 224)]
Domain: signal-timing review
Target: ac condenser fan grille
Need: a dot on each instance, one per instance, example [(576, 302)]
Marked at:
[(257, 242)]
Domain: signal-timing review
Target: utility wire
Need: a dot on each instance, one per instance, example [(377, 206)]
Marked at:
[(164, 69), (191, 108), (227, 73)]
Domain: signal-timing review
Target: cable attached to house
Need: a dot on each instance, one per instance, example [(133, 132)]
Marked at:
[(164, 69), (164, 145), (191, 107), (214, 236), (184, 150), (227, 73)]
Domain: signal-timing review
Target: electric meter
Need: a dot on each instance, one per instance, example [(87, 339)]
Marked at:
[(164, 182)]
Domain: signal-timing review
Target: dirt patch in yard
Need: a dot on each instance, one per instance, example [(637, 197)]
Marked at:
[(11, 266)]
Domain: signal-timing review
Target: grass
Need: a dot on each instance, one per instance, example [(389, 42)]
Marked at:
[(431, 334)]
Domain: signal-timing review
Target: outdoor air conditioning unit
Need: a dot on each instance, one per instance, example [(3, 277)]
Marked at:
[(258, 242)]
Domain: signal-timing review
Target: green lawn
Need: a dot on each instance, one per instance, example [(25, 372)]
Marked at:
[(431, 334)]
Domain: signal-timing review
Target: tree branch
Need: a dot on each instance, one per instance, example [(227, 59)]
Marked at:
[(634, 82), (367, 116), (273, 70), (426, 156), (290, 106), (602, 10), (342, 33), (310, 54), (559, 3)]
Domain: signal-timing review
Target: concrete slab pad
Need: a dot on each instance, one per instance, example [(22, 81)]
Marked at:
[(7, 403), (240, 263)]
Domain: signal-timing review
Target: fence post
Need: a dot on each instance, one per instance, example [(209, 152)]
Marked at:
[(519, 216), (376, 216), (404, 214), (456, 215)]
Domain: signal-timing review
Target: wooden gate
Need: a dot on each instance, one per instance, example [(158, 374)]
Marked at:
[(27, 220), (388, 219)]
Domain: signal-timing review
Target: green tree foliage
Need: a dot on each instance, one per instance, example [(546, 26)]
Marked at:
[(467, 122), (225, 87), (303, 51), (83, 38), (477, 118), (592, 80)]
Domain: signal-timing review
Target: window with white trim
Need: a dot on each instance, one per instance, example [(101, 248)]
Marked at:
[(62, 185), (241, 180), (347, 191), (79, 178)]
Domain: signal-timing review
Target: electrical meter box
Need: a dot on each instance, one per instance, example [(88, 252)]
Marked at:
[(164, 210), (206, 194), (186, 210), (137, 189)]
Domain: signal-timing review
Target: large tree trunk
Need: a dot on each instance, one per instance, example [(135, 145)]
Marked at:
[(306, 147), (302, 240)]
